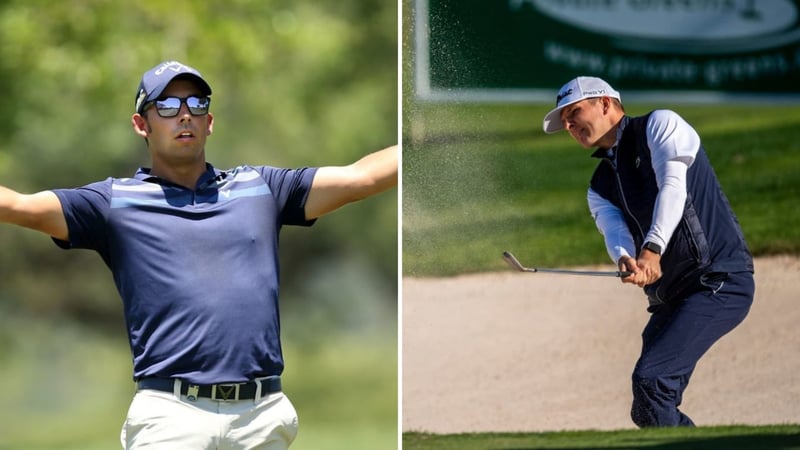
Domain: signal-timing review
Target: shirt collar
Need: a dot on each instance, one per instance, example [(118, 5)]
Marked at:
[(621, 127), (611, 152), (209, 176)]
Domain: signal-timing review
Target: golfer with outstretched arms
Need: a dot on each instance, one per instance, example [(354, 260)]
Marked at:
[(657, 202), (193, 251)]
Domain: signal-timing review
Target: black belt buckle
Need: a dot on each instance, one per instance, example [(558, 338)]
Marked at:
[(225, 392)]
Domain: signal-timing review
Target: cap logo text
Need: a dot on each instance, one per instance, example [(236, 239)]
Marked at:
[(174, 66), (595, 92), (561, 95)]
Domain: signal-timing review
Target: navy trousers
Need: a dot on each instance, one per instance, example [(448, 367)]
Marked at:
[(675, 338)]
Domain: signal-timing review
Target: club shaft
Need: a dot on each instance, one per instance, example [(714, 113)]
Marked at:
[(514, 262), (582, 272)]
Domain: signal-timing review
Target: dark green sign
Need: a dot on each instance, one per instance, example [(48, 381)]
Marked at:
[(690, 50)]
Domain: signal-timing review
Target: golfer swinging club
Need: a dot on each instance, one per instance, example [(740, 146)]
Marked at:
[(656, 200), (194, 254)]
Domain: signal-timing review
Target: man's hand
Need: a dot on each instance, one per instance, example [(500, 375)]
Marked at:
[(646, 270)]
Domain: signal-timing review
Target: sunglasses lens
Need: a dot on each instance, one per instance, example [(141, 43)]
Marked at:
[(198, 105), (168, 107), (171, 106)]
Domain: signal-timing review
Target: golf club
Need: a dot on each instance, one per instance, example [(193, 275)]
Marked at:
[(514, 262)]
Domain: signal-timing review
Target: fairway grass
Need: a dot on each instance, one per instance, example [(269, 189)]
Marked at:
[(779, 437)]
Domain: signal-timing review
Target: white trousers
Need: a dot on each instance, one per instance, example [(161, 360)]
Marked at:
[(164, 421)]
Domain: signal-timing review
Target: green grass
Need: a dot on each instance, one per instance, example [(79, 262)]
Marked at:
[(67, 387), (784, 437), (345, 393), (480, 179)]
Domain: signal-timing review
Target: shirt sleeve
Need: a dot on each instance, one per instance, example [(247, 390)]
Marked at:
[(673, 147), (291, 188), (86, 212), (611, 224)]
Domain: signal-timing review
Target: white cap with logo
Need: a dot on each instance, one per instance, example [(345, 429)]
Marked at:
[(574, 91)]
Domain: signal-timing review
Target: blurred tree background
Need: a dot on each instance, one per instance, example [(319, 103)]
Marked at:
[(295, 83)]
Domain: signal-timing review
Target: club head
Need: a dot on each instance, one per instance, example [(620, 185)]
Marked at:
[(514, 262)]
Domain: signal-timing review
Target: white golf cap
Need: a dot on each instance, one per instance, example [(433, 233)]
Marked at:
[(574, 91)]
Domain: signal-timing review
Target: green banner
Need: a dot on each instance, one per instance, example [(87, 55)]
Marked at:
[(681, 50)]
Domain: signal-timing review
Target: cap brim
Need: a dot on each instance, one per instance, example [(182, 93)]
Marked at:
[(190, 76), (552, 121), (201, 83)]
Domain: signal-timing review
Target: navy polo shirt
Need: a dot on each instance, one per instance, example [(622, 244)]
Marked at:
[(197, 270)]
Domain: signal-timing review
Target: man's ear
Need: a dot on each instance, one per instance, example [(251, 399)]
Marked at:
[(210, 128), (140, 125)]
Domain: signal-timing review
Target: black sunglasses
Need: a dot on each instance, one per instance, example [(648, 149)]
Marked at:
[(171, 106)]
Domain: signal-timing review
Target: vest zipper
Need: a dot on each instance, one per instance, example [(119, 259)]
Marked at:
[(622, 197), (628, 211)]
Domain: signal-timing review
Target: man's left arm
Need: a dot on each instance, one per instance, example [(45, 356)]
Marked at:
[(673, 145), (336, 186)]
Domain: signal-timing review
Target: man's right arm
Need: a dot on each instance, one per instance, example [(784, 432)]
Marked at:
[(41, 212), (619, 242), (611, 224)]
